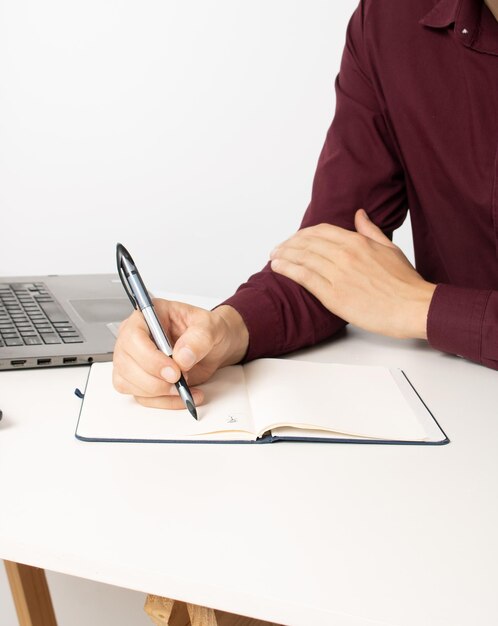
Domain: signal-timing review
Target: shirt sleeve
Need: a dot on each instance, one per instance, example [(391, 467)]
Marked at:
[(357, 168), (465, 322)]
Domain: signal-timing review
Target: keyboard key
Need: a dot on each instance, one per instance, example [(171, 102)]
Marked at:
[(14, 342), (72, 340), (32, 341), (54, 312), (20, 286), (53, 338)]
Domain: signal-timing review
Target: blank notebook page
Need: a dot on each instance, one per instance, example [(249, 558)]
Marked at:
[(107, 414), (355, 400)]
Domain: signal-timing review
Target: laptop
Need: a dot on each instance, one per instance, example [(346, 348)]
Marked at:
[(48, 321)]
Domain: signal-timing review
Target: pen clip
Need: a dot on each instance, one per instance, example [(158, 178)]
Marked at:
[(121, 252)]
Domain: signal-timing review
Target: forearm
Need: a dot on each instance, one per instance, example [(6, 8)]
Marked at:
[(280, 315), (465, 322)]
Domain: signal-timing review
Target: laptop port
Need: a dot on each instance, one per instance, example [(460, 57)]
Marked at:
[(69, 359), (18, 362), (43, 361)]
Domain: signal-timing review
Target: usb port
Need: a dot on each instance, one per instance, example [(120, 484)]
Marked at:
[(18, 362), (43, 361), (69, 359)]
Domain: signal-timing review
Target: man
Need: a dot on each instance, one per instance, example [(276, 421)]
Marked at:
[(416, 126)]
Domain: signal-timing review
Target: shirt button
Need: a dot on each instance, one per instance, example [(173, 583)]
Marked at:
[(465, 31)]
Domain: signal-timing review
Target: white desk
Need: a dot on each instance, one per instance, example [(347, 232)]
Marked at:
[(301, 534)]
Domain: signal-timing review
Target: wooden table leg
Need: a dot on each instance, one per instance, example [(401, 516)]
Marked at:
[(31, 595), (166, 612)]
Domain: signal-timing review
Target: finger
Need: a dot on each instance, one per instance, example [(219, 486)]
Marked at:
[(324, 248), (135, 379), (329, 232), (170, 402), (318, 257), (364, 226), (136, 342), (312, 281), (127, 387)]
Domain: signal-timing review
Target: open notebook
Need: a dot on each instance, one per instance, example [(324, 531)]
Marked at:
[(266, 401)]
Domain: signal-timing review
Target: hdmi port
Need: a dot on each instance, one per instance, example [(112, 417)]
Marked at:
[(18, 362), (69, 359)]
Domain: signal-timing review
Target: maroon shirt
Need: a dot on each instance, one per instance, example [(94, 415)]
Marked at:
[(415, 128)]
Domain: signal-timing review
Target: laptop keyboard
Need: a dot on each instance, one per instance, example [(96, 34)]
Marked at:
[(30, 315)]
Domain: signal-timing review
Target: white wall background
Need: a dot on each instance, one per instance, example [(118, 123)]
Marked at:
[(189, 131)]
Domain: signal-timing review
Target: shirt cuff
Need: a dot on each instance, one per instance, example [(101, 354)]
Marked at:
[(261, 319), (455, 320)]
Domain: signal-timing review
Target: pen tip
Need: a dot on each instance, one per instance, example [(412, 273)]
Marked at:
[(192, 409)]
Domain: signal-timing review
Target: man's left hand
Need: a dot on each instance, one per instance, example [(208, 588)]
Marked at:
[(360, 276)]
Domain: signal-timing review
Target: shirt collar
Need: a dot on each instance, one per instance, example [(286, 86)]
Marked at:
[(474, 24), (441, 15)]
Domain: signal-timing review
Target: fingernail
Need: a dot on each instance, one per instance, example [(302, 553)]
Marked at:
[(365, 213), (275, 264), (274, 252), (186, 357), (169, 374)]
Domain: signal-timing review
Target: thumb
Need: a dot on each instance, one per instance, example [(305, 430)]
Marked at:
[(367, 228), (195, 342)]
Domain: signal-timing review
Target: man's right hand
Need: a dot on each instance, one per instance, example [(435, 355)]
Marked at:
[(203, 341)]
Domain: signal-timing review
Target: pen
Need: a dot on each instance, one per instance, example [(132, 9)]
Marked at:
[(139, 297)]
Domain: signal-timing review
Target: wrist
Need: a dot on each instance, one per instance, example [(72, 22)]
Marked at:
[(236, 333), (419, 310)]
